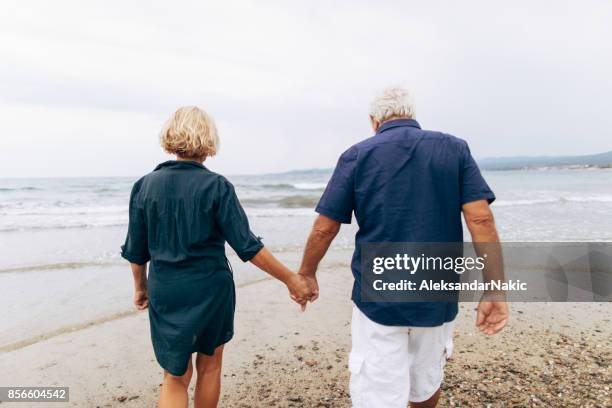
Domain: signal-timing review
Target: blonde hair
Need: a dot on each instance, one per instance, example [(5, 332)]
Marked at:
[(190, 132), (395, 102)]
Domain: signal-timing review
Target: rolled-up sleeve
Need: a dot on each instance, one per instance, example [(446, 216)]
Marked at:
[(234, 224), (338, 199), (473, 185), (136, 247)]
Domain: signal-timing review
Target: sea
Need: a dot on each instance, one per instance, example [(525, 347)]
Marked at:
[(60, 238)]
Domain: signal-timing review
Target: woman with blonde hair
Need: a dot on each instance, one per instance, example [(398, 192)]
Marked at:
[(180, 217)]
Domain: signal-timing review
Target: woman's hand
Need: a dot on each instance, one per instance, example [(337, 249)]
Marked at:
[(141, 300), (300, 289)]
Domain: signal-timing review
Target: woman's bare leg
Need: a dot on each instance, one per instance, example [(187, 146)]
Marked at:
[(208, 385), (174, 389)]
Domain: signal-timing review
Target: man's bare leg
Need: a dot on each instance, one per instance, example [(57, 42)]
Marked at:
[(430, 403)]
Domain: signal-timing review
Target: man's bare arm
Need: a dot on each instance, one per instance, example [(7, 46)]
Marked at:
[(481, 224), (480, 221), (323, 233), (492, 314)]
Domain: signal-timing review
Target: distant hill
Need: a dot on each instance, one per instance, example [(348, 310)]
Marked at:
[(526, 162), (602, 160)]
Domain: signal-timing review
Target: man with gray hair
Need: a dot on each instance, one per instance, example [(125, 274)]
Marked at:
[(404, 185)]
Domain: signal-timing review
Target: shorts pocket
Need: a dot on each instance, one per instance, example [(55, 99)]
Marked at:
[(355, 363), (448, 348), (357, 381), (447, 341)]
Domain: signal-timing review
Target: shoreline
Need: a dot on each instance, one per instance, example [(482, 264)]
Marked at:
[(89, 323)]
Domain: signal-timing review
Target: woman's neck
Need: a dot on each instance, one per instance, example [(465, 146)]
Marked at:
[(193, 159)]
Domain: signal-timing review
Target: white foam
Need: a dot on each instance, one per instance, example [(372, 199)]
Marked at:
[(310, 186), (553, 200)]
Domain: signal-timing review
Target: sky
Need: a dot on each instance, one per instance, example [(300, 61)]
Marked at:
[(86, 86)]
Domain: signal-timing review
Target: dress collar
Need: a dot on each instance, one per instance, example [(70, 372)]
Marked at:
[(177, 164)]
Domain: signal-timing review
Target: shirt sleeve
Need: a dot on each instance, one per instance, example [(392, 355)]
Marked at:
[(337, 201), (136, 247), (473, 185), (234, 224)]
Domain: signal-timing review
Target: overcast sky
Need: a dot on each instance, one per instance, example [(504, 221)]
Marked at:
[(86, 86)]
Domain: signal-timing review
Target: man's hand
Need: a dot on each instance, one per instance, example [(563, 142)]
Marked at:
[(491, 316), (141, 300)]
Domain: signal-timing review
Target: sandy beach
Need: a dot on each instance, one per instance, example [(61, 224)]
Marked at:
[(549, 355)]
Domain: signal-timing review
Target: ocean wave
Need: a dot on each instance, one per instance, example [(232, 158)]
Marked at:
[(83, 225), (279, 212), (298, 202), (62, 209), (284, 187), (109, 190), (26, 188), (280, 186), (282, 201), (58, 266), (82, 217), (310, 186), (554, 200)]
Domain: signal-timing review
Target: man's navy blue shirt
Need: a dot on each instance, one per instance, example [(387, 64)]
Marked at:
[(404, 184)]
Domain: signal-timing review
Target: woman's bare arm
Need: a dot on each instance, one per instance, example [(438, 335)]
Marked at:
[(297, 285), (141, 300)]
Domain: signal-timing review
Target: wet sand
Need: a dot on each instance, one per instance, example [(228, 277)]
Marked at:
[(549, 355)]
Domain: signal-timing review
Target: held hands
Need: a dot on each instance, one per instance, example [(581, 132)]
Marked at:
[(303, 289), (313, 284)]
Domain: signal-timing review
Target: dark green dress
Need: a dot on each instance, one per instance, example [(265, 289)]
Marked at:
[(181, 215)]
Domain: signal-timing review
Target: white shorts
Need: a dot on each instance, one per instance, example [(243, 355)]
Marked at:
[(392, 365)]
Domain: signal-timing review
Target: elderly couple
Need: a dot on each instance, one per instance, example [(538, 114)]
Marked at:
[(403, 184)]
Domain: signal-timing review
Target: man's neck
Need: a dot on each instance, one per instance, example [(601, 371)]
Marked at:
[(390, 119)]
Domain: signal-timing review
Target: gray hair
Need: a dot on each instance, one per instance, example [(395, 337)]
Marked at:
[(393, 102)]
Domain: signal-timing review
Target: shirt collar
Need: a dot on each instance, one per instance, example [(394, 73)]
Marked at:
[(397, 123), (179, 164)]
